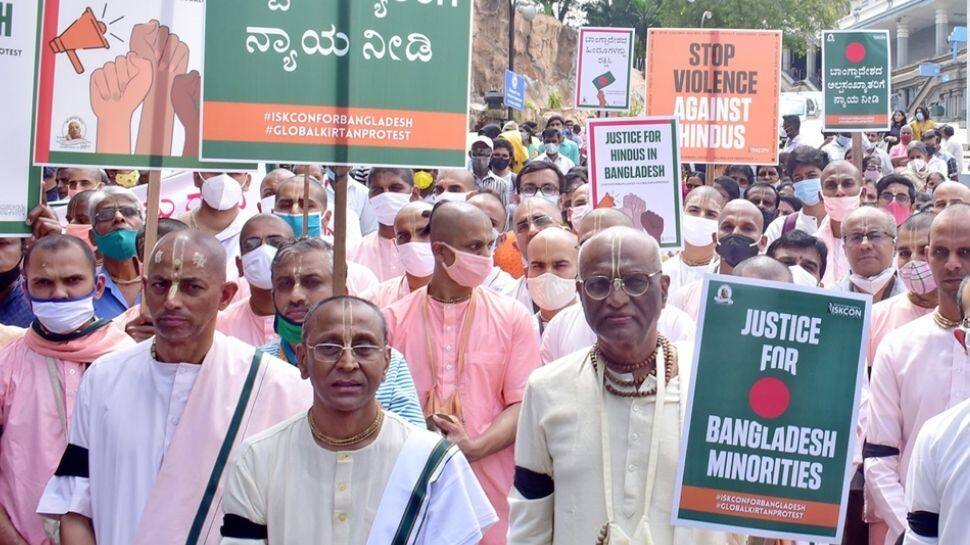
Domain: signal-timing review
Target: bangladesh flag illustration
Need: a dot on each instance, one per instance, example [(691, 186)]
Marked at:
[(603, 80)]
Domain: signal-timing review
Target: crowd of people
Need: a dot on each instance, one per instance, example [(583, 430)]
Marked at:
[(492, 376)]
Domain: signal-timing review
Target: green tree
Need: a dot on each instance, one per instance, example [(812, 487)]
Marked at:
[(557, 8), (798, 19), (636, 14)]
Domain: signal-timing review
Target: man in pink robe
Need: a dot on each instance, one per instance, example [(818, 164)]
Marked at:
[(470, 351), (390, 190)]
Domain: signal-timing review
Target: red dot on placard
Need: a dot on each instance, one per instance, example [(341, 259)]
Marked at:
[(855, 52), (769, 397)]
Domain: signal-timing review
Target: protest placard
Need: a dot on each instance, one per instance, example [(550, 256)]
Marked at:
[(21, 189), (723, 86), (856, 80), (634, 166), (770, 423), (377, 83), (604, 63), (119, 87)]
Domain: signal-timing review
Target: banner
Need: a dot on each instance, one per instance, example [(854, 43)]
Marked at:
[(723, 86), (856, 80), (377, 83), (774, 397), (604, 63), (21, 188), (634, 166), (119, 87), (515, 85)]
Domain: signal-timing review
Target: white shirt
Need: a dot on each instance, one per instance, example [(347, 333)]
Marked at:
[(141, 399), (229, 238), (918, 372), (955, 149), (681, 274), (562, 162), (804, 222), (501, 282), (568, 331), (354, 235), (280, 473), (939, 476)]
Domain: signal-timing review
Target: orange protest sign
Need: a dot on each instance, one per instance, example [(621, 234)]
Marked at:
[(723, 87)]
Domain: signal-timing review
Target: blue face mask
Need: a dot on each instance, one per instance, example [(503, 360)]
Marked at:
[(843, 141), (295, 221), (807, 190)]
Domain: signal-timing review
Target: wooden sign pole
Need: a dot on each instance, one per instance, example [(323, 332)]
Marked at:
[(151, 225), (340, 237)]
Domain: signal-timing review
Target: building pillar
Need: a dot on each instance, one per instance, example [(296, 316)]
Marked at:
[(785, 60), (810, 63), (942, 30), (902, 43)]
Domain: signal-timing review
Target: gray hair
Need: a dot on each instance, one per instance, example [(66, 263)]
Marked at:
[(113, 191)]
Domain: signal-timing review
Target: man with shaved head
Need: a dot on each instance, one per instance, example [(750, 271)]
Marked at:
[(701, 209), (66, 336), (359, 465), (289, 207), (453, 185), (600, 219), (918, 372), (499, 281), (412, 232), (155, 424), (740, 235), (949, 193), (762, 267), (551, 274), (532, 216), (588, 416), (268, 187), (470, 350), (80, 179), (390, 190), (250, 319), (869, 236)]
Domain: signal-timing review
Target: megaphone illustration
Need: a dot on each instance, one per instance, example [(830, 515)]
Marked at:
[(85, 33)]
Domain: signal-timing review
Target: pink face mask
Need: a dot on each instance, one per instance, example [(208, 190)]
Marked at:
[(469, 270), (839, 207), (899, 211)]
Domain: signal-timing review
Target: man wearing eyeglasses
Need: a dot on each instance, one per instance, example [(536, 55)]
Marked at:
[(302, 275), (598, 437), (919, 371), (531, 217), (250, 319), (359, 467), (470, 350), (869, 238)]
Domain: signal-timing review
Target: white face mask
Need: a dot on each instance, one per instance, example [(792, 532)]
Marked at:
[(551, 292), (417, 258), (577, 213), (63, 315), (917, 165), (257, 266), (221, 192), (552, 148), (801, 277), (387, 205), (872, 284), (699, 231), (266, 204), (551, 199), (451, 196)]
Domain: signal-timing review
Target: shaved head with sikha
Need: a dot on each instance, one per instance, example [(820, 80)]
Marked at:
[(185, 289), (600, 219), (625, 324), (763, 267)]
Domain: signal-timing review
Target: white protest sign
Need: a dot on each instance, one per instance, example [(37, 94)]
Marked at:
[(603, 66), (634, 166)]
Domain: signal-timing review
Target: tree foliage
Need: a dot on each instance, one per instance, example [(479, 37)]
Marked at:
[(798, 19), (557, 8)]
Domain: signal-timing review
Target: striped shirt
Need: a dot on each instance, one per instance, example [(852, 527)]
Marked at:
[(396, 394)]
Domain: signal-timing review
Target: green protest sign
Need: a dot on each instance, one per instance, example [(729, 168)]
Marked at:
[(378, 83), (856, 80), (773, 403)]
